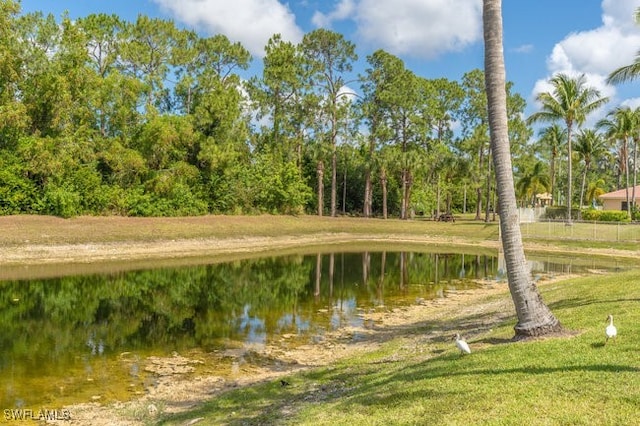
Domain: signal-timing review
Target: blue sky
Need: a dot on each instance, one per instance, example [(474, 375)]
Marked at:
[(435, 38)]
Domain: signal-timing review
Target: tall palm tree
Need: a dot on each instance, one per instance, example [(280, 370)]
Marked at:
[(619, 125), (570, 101), (534, 317), (627, 72), (590, 146), (554, 137)]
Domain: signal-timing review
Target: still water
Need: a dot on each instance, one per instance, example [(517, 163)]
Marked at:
[(85, 338)]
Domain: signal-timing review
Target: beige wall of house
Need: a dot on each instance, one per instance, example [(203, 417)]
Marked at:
[(612, 204)]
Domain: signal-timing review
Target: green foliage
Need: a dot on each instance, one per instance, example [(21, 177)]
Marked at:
[(18, 194), (278, 187), (106, 116), (559, 213), (605, 215), (61, 201)]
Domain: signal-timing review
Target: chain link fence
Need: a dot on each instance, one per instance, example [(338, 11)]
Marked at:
[(581, 230)]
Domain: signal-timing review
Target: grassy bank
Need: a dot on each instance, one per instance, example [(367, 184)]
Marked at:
[(575, 379), (46, 230), (52, 230), (415, 379)]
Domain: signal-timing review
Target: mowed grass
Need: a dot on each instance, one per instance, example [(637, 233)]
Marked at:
[(51, 230), (570, 380)]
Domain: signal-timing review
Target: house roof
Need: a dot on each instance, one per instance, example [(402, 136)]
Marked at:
[(621, 194)]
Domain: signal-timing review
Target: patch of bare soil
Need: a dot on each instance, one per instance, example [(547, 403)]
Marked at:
[(177, 389)]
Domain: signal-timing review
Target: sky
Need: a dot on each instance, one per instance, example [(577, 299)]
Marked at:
[(435, 38)]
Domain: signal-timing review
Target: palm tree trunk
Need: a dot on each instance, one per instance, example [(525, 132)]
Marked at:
[(534, 317), (626, 174), (635, 173), (569, 174), (582, 186), (553, 176)]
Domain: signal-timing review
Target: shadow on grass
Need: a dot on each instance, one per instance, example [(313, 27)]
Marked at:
[(578, 302), (364, 386), (406, 379)]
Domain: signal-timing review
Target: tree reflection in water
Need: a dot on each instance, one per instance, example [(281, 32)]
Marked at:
[(57, 329)]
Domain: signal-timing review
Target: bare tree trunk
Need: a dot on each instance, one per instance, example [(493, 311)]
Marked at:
[(534, 317), (438, 196), (383, 183), (334, 180), (407, 198), (403, 203), (320, 173), (367, 193), (344, 191)]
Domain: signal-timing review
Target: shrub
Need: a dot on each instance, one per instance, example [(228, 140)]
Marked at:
[(62, 201), (605, 215), (559, 213)]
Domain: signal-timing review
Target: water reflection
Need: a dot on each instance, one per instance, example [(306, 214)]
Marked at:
[(67, 339)]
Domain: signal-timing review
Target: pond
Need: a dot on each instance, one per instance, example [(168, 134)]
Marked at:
[(82, 338)]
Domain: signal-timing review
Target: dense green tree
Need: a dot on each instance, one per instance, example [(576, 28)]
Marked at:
[(277, 95), (143, 118), (378, 84), (553, 138), (329, 58), (570, 101), (590, 145), (145, 52), (532, 181), (619, 126)]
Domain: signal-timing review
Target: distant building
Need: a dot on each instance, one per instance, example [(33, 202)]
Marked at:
[(543, 199), (617, 200)]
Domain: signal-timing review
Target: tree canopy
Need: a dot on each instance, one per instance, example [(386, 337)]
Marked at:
[(103, 116)]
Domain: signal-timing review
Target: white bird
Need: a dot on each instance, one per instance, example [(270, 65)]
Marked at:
[(462, 345), (611, 331)]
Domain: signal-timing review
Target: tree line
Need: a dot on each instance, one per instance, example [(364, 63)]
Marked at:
[(103, 116)]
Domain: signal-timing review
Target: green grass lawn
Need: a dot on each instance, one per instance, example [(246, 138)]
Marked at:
[(570, 380)]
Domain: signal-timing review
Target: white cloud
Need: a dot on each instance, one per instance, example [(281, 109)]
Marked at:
[(417, 28), (250, 22), (343, 10), (631, 103), (420, 28), (525, 48), (597, 52)]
